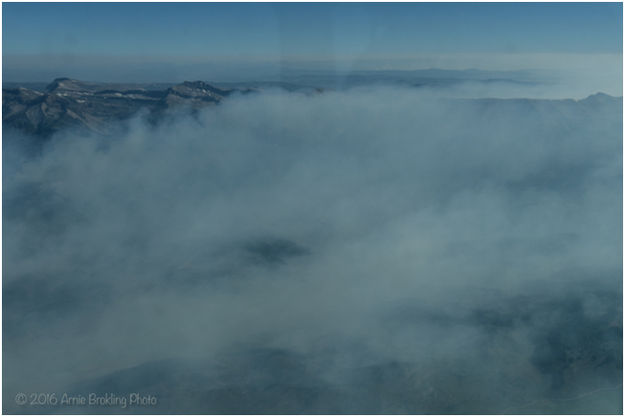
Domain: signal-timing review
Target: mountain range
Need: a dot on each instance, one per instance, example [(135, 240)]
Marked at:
[(93, 106), (41, 110)]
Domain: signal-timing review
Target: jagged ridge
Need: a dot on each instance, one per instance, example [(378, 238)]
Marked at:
[(67, 102)]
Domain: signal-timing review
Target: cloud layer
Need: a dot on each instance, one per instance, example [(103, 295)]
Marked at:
[(377, 249)]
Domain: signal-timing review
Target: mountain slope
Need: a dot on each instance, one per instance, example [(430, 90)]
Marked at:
[(72, 103)]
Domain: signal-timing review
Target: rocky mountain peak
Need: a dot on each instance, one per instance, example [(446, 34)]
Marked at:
[(198, 89), (68, 102), (64, 84)]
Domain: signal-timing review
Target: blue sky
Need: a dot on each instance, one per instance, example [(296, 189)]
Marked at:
[(315, 29), (323, 31)]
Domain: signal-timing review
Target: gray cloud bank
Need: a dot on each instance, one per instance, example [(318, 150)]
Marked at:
[(376, 250)]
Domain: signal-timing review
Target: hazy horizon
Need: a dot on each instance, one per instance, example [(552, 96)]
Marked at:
[(233, 42)]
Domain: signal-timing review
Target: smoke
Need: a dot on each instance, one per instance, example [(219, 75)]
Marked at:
[(372, 250)]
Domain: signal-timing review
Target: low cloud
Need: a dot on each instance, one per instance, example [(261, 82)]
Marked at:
[(372, 250)]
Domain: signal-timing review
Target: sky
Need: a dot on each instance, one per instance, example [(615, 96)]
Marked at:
[(305, 29), (167, 40), (218, 42)]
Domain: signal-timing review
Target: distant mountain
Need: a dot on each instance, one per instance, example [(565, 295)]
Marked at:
[(43, 110), (93, 106)]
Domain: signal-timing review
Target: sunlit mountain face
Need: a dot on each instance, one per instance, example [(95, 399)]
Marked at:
[(310, 236)]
